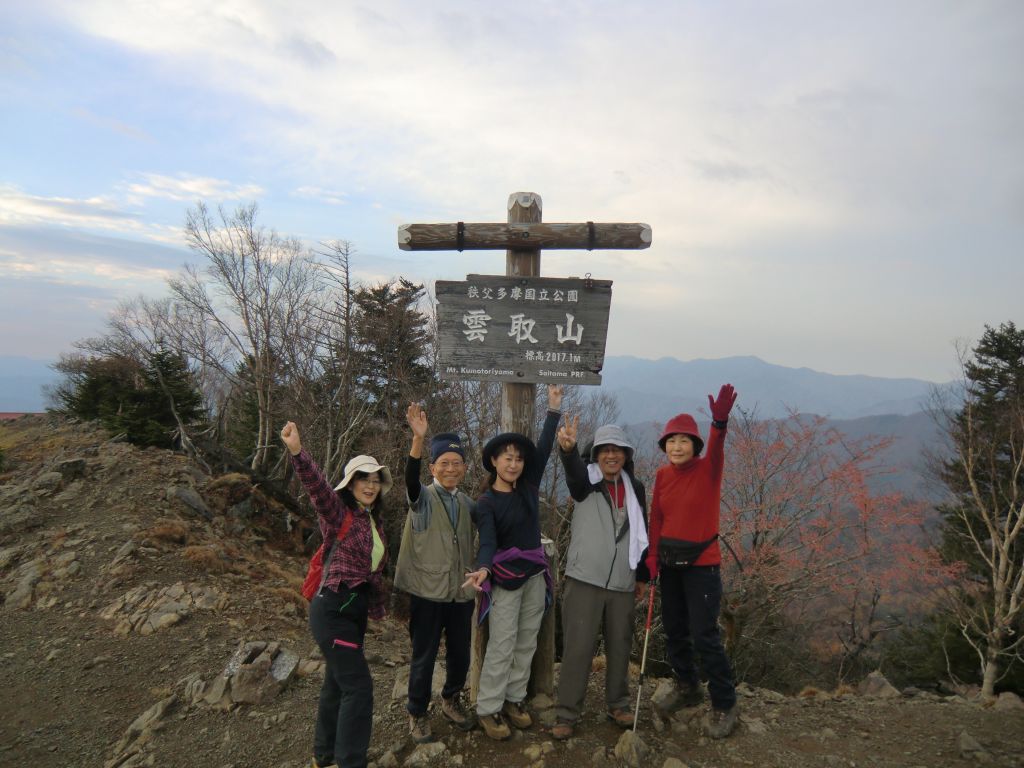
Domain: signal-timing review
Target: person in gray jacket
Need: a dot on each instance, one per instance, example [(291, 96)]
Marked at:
[(435, 554), (605, 572)]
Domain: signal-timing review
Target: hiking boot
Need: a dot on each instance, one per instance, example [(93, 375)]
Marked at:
[(562, 729), (419, 729), (454, 710), (722, 722), (495, 727), (684, 696), (621, 717), (517, 714), (324, 763)]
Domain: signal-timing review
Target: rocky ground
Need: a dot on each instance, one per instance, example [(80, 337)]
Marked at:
[(151, 617)]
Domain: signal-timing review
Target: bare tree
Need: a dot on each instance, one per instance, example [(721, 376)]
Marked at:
[(984, 521), (255, 293)]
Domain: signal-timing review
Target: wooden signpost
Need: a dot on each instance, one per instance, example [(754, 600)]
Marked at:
[(523, 237)]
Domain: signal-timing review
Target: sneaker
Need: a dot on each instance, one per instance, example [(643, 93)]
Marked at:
[(621, 717), (495, 727), (324, 763), (419, 728), (454, 710), (562, 729), (517, 714), (722, 722)]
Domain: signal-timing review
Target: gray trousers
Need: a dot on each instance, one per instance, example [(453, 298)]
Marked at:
[(583, 608), (513, 622)]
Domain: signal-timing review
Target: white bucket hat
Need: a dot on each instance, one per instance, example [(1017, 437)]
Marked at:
[(367, 465)]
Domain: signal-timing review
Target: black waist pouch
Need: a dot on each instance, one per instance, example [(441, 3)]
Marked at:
[(681, 553)]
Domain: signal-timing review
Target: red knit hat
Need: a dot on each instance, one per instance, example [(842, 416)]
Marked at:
[(682, 424)]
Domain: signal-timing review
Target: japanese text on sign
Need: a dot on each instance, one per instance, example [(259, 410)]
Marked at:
[(523, 329)]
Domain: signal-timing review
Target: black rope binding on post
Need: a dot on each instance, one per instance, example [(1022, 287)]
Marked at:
[(591, 236), (460, 236)]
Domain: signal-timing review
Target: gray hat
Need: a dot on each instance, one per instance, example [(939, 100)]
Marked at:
[(611, 434)]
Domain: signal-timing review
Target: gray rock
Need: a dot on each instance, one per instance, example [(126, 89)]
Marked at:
[(970, 749), (29, 575), (1008, 701), (17, 519), (71, 469), (190, 499), (48, 482), (631, 749), (425, 754), (876, 686), (674, 762)]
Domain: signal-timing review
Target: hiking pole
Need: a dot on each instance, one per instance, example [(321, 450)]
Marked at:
[(643, 658)]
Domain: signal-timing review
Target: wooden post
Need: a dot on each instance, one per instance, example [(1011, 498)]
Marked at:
[(524, 227)]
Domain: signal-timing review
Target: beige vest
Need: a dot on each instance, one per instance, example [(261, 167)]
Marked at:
[(432, 564)]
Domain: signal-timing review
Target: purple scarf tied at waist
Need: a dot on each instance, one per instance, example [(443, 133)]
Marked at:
[(503, 556)]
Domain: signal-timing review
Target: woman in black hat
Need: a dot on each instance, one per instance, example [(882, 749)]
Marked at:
[(512, 572)]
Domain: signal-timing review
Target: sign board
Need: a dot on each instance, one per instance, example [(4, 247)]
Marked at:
[(523, 329)]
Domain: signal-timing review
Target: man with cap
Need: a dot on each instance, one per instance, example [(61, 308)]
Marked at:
[(436, 552), (605, 571)]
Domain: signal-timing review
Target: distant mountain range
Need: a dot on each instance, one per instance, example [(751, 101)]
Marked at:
[(649, 392), (654, 390)]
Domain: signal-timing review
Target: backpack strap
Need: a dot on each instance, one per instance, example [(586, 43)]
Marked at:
[(346, 523)]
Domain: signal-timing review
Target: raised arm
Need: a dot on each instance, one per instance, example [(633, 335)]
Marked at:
[(546, 441), (720, 409), (325, 500), (575, 470), (416, 417)]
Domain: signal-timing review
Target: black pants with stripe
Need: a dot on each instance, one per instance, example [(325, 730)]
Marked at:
[(345, 713)]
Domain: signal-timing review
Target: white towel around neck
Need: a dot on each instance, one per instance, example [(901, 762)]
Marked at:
[(637, 530)]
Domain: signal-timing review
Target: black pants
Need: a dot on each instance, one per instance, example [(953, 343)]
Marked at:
[(427, 620), (345, 713), (691, 599)]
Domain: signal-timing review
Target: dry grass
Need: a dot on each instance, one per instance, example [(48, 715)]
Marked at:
[(844, 690), (291, 578), (285, 595), (167, 530), (207, 558), (808, 692)]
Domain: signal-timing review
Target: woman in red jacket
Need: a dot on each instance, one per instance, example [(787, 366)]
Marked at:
[(684, 553)]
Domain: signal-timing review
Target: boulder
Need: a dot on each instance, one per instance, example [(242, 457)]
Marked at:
[(876, 686)]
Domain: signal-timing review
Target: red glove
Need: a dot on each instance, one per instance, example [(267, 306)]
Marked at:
[(720, 408), (652, 565)]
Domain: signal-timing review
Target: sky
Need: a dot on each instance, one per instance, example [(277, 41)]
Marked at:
[(833, 185)]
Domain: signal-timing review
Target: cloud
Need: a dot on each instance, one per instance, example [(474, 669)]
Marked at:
[(329, 196), (20, 209), (69, 257), (191, 188)]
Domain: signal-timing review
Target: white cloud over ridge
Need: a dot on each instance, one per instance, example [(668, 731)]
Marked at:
[(824, 172)]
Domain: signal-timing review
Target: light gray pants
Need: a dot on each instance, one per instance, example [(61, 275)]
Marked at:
[(513, 622), (583, 607)]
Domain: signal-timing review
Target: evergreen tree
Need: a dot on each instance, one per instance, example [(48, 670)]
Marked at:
[(144, 401), (392, 340)]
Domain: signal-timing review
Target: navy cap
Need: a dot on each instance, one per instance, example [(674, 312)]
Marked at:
[(446, 442)]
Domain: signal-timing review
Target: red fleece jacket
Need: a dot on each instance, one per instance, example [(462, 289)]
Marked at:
[(685, 502)]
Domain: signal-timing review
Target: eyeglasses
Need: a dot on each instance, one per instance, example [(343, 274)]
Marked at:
[(446, 465)]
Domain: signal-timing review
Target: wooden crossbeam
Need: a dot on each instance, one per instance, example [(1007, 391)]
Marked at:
[(533, 235)]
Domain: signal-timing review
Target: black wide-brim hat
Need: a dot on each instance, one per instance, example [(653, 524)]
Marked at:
[(525, 445)]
